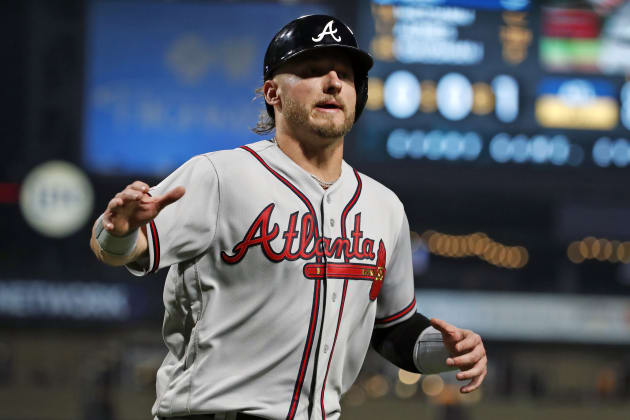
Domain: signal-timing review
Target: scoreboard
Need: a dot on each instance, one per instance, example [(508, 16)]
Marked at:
[(496, 82)]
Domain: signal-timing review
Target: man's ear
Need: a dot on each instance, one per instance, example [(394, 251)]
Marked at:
[(270, 92)]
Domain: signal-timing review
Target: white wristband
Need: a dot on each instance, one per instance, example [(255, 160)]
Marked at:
[(115, 245), (430, 354)]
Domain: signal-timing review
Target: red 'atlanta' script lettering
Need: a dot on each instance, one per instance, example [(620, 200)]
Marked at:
[(309, 243)]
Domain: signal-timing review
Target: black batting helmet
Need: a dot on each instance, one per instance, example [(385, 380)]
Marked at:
[(316, 32)]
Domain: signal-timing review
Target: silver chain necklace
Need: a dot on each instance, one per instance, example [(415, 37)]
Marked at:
[(324, 184)]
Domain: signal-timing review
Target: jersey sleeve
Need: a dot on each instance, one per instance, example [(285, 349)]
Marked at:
[(185, 228), (396, 300)]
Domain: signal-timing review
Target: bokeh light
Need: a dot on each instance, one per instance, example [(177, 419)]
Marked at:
[(377, 386), (476, 244), (432, 385), (408, 378), (599, 249), (404, 391)]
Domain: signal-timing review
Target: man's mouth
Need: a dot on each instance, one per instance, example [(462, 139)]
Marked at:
[(328, 106)]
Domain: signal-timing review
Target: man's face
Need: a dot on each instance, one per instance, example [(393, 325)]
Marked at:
[(317, 94)]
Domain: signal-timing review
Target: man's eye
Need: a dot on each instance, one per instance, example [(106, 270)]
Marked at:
[(310, 72), (348, 76)]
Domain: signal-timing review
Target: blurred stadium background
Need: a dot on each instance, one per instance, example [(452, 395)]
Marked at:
[(503, 125)]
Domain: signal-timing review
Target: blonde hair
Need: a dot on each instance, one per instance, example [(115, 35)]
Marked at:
[(265, 124)]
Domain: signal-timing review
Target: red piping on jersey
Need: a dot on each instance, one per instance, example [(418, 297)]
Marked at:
[(288, 184), (398, 315), (295, 399), (156, 245), (344, 215)]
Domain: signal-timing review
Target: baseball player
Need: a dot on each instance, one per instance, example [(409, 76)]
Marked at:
[(285, 262)]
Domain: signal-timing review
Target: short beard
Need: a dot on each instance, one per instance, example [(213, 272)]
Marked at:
[(297, 115)]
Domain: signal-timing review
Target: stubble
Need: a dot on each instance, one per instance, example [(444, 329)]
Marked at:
[(298, 115)]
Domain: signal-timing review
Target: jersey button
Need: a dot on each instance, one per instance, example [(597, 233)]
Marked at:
[(332, 222), (334, 297), (326, 348), (328, 199)]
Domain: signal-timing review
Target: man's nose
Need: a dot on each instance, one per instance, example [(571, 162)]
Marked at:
[(332, 83)]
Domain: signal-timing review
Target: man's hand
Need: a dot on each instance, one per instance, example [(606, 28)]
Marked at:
[(467, 351), (134, 207), (129, 209)]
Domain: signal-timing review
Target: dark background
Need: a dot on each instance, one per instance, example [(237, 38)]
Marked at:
[(56, 366)]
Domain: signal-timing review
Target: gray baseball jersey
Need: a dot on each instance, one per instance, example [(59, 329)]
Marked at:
[(275, 284)]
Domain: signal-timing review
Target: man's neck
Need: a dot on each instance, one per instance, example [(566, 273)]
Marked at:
[(323, 161)]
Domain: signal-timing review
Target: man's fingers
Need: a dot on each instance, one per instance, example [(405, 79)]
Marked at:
[(129, 194), (474, 384), (114, 202), (170, 197), (133, 206), (447, 329), (471, 358), (442, 326), (467, 359), (479, 368), (107, 221), (469, 342), (139, 186)]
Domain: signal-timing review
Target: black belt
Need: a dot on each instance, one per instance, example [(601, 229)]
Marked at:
[(239, 416)]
